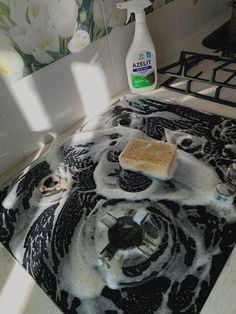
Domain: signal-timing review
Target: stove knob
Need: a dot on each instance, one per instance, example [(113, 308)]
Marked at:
[(231, 174), (225, 192)]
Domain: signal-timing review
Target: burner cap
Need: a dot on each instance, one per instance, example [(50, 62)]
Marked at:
[(125, 233)]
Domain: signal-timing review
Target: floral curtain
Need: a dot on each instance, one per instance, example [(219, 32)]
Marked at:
[(34, 33)]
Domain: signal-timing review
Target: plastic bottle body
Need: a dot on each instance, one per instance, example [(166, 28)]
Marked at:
[(141, 59)]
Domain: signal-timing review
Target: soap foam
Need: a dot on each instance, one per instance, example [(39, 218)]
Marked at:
[(195, 179), (186, 207)]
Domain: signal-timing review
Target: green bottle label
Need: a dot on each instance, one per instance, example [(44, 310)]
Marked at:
[(143, 74)]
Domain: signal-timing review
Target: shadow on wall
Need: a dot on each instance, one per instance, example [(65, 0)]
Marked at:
[(55, 98), (10, 150)]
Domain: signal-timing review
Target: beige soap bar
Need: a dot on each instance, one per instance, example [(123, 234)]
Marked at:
[(154, 158)]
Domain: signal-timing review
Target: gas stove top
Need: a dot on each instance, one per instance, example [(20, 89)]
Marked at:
[(101, 239)]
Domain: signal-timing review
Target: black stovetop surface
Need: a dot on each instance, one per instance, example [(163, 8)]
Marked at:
[(54, 217)]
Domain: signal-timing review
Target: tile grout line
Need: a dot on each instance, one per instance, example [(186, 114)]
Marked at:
[(109, 48)]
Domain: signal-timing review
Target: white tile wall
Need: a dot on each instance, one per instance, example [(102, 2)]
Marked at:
[(55, 97), (9, 149), (119, 42)]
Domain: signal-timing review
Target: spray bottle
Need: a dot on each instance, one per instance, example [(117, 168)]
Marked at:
[(141, 57)]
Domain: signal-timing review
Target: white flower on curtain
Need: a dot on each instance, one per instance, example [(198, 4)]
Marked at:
[(18, 34), (37, 41), (38, 12), (18, 11), (106, 11), (63, 16), (11, 63), (41, 41), (79, 41)]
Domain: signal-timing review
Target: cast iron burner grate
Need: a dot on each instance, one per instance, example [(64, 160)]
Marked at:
[(219, 64)]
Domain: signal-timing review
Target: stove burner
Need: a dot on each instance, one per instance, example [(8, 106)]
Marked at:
[(49, 183), (128, 233), (134, 236), (53, 184), (125, 234), (128, 242)]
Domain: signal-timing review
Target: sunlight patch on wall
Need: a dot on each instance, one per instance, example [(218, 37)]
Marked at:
[(92, 87), (12, 298)]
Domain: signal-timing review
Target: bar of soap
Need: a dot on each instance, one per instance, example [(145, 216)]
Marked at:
[(154, 158)]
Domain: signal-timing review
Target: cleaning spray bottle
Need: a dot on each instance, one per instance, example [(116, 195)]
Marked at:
[(141, 57)]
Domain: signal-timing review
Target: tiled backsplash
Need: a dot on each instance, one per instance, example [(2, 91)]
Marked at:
[(56, 96), (39, 32)]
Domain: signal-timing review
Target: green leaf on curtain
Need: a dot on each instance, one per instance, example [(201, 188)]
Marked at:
[(55, 55), (4, 9)]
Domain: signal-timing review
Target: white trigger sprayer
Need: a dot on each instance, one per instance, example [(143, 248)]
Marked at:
[(141, 57)]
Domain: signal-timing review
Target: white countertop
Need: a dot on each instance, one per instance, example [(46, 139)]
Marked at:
[(19, 294)]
